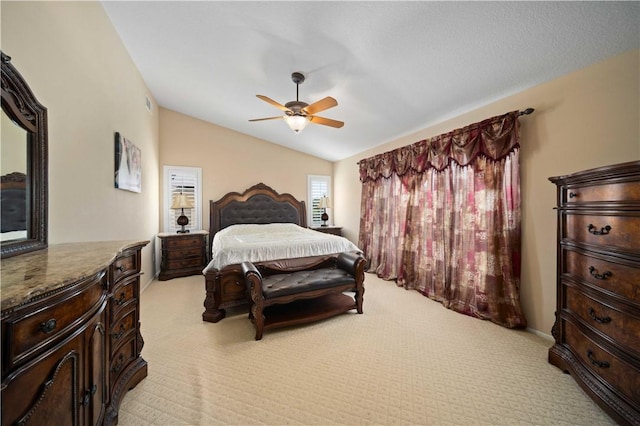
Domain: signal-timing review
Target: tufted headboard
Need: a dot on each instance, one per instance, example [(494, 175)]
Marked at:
[(258, 204)]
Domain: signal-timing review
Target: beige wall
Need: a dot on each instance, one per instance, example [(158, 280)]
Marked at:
[(77, 67), (583, 120), (233, 161)]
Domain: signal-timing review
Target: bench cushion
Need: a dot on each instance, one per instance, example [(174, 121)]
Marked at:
[(284, 284)]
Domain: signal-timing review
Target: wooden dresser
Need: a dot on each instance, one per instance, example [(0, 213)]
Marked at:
[(71, 337), (597, 327), (183, 254)]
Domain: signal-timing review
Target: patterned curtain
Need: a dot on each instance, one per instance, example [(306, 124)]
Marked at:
[(442, 216)]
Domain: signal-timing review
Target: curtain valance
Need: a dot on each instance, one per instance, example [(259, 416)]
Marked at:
[(493, 138)]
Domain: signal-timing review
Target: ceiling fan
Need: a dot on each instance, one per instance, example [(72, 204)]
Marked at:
[(298, 114)]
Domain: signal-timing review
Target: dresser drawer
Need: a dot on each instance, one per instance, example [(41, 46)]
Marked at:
[(620, 326), (124, 356), (123, 295), (124, 266), (121, 330), (604, 364), (609, 192), (621, 232), (27, 335), (184, 241), (613, 277)]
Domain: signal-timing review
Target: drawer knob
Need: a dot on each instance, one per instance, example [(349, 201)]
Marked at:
[(119, 300), (601, 320), (594, 273), (48, 326), (572, 194), (594, 361), (119, 334), (594, 230), (118, 365)]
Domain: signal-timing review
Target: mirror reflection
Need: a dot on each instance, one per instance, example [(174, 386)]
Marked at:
[(23, 166), (13, 180)]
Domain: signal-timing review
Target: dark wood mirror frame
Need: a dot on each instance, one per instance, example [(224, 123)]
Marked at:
[(19, 103)]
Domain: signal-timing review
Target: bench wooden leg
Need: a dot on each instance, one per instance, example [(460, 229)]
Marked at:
[(258, 318), (359, 296)]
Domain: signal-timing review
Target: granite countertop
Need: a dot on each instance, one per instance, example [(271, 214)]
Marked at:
[(29, 275)]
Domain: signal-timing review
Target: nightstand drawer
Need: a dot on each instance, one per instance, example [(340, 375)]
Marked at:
[(183, 253), (184, 241), (185, 263)]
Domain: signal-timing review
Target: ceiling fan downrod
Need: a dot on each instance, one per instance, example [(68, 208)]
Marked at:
[(298, 78)]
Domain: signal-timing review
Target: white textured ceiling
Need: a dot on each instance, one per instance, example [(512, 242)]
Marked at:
[(394, 67)]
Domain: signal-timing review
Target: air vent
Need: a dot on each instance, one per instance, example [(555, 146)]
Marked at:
[(148, 103)]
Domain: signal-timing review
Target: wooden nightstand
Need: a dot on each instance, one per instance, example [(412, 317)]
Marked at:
[(335, 230), (183, 254)]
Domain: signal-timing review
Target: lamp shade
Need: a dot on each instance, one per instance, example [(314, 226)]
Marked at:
[(296, 122), (181, 201), (325, 203)]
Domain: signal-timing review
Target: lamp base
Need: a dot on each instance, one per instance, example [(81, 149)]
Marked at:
[(325, 218), (183, 221)]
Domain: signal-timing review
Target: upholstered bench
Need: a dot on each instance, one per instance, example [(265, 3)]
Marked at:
[(281, 297)]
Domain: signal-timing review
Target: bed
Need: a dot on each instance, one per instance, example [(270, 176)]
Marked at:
[(258, 205)]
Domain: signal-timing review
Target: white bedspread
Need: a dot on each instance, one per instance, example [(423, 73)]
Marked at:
[(257, 243)]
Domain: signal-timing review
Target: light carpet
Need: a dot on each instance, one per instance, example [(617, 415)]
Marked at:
[(406, 360)]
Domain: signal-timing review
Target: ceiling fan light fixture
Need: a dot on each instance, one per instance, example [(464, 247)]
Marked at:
[(297, 122)]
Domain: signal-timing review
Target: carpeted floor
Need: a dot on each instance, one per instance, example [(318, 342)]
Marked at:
[(406, 360)]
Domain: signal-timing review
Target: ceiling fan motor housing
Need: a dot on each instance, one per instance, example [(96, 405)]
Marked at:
[(296, 107)]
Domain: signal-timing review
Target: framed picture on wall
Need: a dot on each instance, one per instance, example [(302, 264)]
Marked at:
[(128, 175)]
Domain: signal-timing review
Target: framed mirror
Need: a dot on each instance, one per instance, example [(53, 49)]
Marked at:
[(23, 166)]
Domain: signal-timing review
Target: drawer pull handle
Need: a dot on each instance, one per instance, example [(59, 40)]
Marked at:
[(48, 326), (594, 273), (601, 320), (119, 334), (572, 194), (603, 231), (120, 300), (88, 393), (118, 366), (121, 268), (594, 361)]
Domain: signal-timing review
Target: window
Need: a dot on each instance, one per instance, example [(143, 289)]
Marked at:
[(318, 186), (186, 180)]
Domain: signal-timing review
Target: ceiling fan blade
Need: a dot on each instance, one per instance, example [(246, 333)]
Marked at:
[(268, 118), (326, 121), (321, 105), (274, 103)]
